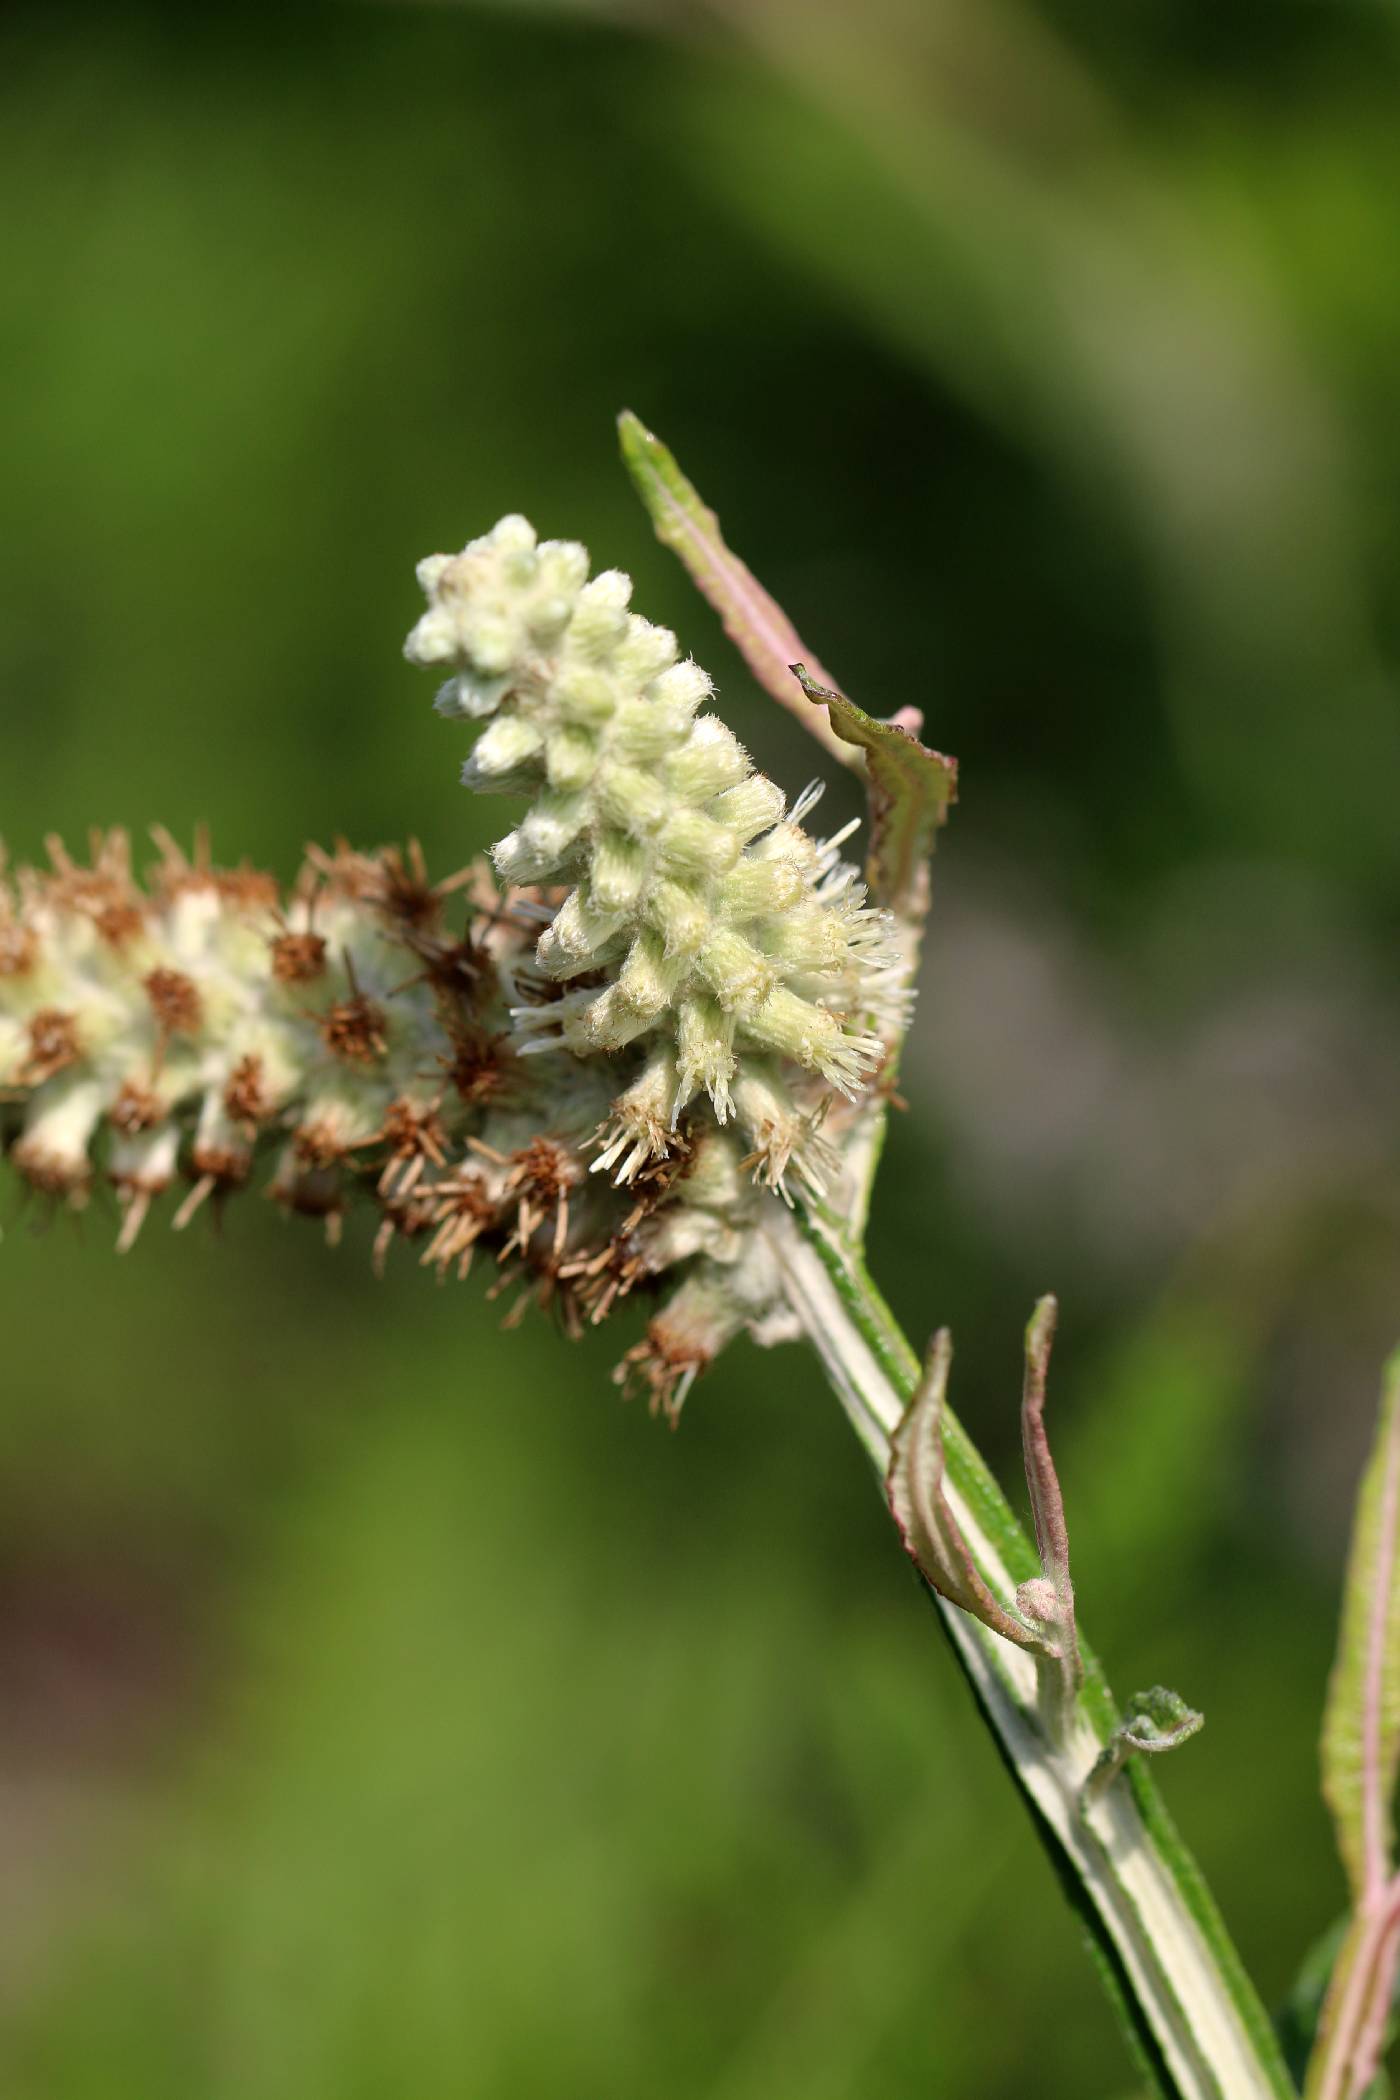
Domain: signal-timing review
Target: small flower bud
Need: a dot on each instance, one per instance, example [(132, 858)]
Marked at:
[(508, 745), (757, 889), (711, 760), (630, 799), (749, 807), (693, 844), (571, 758), (647, 981), (600, 616), (705, 1059), (619, 872), (577, 936), (739, 975), (680, 915)]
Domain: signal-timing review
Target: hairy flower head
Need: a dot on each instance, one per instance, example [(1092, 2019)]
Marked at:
[(701, 922), (185, 1036), (708, 974)]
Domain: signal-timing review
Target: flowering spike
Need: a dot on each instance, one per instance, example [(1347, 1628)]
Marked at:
[(719, 935), (164, 1040)]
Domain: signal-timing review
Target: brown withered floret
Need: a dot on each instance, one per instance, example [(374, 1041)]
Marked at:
[(479, 1067), (247, 888), (416, 1139), (546, 1169), (118, 921), (297, 958), (396, 882), (135, 1109), (53, 1043), (104, 892), (662, 1368), (463, 1209), (175, 1002), (404, 889), (19, 948), (52, 1174), (245, 1099), (599, 1277), (538, 1180), (222, 1165), (219, 1171), (403, 1217), (355, 1030), (454, 968), (318, 1144)]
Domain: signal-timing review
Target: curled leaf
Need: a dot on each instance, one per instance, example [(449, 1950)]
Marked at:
[(910, 789), (1155, 1721), (919, 1504), (1047, 1503)]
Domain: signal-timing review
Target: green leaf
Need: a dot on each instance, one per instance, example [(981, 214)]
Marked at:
[(910, 788), (1361, 1726)]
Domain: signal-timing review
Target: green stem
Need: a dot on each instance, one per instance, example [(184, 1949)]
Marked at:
[(1192, 2013)]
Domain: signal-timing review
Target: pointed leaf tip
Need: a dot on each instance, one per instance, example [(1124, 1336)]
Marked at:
[(910, 787), (1361, 1725), (754, 622)]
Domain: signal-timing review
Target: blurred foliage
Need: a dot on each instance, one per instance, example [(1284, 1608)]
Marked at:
[(387, 1710)]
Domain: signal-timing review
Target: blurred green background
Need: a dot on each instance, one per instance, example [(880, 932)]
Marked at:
[(387, 1710)]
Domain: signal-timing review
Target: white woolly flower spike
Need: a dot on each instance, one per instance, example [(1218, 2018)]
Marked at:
[(709, 928), (188, 1029)]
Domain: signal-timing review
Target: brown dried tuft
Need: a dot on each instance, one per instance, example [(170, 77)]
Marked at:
[(53, 1043), (246, 888), (600, 1277), (354, 1030), (405, 892), (403, 1218), (222, 1165), (463, 1209), (540, 1177), (298, 958), (244, 1099), (52, 1174), (175, 1002), (103, 892), (662, 1367), (135, 1109), (396, 882), (546, 1168), (416, 1139), (19, 948), (318, 1144), (479, 1065)]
